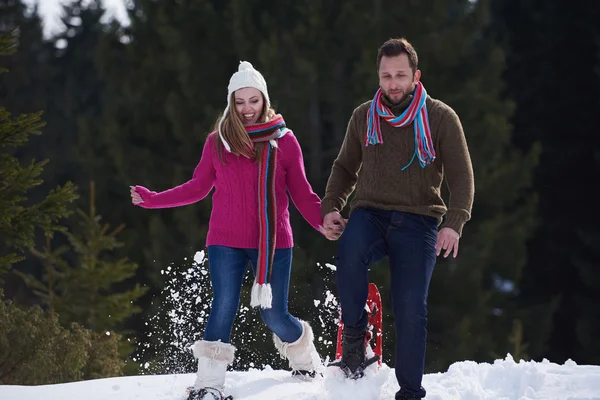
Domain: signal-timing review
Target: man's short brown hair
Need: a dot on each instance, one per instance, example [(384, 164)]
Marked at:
[(395, 47)]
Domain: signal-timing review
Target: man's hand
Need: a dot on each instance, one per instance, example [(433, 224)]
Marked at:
[(333, 225), (447, 240)]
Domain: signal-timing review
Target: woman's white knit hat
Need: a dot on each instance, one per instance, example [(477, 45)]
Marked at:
[(246, 76)]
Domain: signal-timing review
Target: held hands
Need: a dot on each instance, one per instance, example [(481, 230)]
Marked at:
[(447, 240), (136, 199), (333, 225)]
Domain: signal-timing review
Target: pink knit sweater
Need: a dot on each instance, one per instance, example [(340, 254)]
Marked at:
[(234, 219)]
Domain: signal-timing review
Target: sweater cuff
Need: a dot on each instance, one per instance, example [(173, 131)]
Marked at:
[(456, 219), (329, 205)]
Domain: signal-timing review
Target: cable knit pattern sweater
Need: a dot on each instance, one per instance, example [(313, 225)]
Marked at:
[(375, 171), (234, 218)]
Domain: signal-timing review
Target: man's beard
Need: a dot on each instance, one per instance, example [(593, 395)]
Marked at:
[(403, 93), (393, 97)]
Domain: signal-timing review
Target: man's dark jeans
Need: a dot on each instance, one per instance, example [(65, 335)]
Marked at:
[(408, 240)]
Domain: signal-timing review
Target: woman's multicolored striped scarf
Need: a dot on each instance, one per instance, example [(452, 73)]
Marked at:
[(267, 132), (416, 111)]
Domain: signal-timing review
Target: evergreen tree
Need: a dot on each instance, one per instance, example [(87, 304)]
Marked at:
[(34, 347), (36, 83), (26, 85), (90, 286), (19, 217), (552, 74), (472, 297), (76, 90)]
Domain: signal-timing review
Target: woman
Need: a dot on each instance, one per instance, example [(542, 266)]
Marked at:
[(251, 160)]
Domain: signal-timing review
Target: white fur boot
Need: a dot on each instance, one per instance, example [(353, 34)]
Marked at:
[(213, 358), (301, 354)]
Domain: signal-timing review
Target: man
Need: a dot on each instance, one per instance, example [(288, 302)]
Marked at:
[(397, 150)]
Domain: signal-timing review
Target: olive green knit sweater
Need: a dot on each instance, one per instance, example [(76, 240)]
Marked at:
[(375, 172)]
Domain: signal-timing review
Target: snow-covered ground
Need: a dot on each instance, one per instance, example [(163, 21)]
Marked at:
[(502, 380), (185, 309)]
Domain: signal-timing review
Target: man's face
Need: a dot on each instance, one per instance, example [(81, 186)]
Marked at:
[(396, 77)]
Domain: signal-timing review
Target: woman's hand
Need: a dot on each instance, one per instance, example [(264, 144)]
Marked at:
[(136, 199)]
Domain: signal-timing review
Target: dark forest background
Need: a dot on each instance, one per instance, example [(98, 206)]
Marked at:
[(118, 106)]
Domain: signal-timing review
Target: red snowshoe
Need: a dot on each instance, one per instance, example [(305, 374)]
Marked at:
[(374, 328)]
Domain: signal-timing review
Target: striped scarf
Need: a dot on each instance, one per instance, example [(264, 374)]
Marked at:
[(267, 132), (416, 111)]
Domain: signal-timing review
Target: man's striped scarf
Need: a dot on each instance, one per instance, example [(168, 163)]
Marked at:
[(416, 112)]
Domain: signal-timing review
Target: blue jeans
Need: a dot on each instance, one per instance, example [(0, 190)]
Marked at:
[(227, 269), (408, 240)]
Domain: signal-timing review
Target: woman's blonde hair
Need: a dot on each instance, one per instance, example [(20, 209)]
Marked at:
[(234, 131)]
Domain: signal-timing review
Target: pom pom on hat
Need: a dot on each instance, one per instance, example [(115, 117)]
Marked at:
[(245, 65)]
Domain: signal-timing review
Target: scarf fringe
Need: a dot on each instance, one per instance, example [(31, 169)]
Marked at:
[(262, 295)]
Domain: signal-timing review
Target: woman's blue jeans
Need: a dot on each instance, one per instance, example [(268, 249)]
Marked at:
[(227, 268)]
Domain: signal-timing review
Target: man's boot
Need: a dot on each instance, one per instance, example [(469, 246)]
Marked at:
[(354, 346)]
